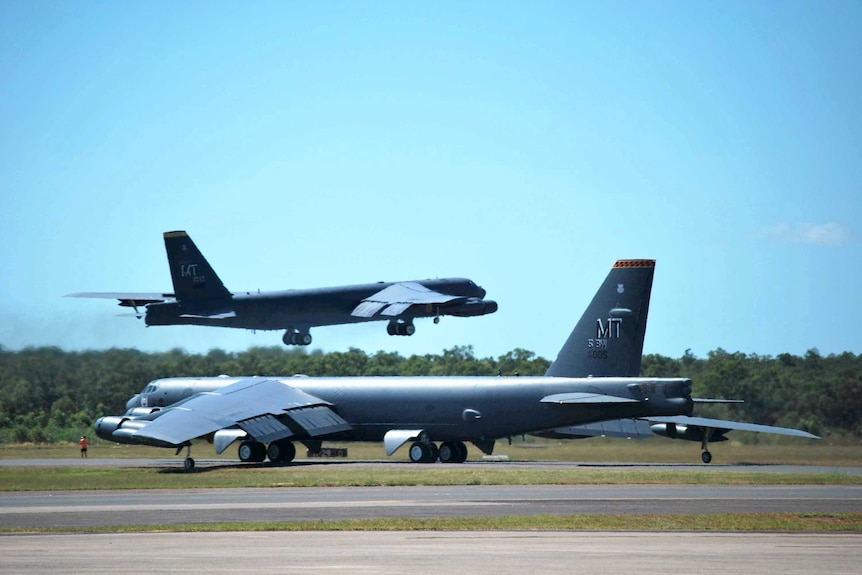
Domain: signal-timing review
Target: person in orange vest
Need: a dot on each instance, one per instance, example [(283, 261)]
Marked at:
[(83, 444)]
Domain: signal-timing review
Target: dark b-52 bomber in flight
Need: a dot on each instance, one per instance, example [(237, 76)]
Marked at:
[(200, 298), (587, 383)]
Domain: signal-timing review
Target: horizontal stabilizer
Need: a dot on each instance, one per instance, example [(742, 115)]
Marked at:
[(127, 299), (586, 398), (683, 420)]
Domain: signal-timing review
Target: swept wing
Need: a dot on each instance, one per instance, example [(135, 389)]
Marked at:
[(397, 298), (724, 425), (679, 427), (265, 409)]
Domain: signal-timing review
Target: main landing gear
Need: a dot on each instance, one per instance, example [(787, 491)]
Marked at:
[(448, 452), (296, 337), (281, 451), (400, 328)]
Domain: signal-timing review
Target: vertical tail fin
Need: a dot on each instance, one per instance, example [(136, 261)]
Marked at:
[(609, 338), (191, 273)]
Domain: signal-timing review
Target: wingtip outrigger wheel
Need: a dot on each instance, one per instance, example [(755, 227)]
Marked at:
[(188, 463)]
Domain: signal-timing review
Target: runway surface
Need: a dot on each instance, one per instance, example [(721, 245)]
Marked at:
[(385, 553), (177, 463), (170, 507)]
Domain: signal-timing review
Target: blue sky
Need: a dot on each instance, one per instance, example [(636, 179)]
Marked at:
[(526, 145)]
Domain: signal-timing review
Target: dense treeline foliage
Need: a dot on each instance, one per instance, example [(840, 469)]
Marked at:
[(47, 394)]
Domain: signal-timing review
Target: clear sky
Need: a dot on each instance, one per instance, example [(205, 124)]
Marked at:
[(525, 145)]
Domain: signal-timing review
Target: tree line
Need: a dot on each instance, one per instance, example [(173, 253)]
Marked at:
[(48, 394)]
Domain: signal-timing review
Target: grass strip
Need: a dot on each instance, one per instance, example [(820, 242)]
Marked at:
[(104, 478), (721, 522)]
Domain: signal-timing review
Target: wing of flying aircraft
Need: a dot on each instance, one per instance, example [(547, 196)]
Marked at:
[(397, 298), (201, 298)]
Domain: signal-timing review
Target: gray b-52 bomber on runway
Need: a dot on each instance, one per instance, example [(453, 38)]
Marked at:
[(437, 414), (200, 298)]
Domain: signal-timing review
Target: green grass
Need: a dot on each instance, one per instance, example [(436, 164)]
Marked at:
[(321, 474), (725, 522), (96, 478), (656, 450)]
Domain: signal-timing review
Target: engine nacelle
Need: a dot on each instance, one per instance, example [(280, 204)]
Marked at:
[(471, 307), (118, 428), (136, 412), (106, 426)]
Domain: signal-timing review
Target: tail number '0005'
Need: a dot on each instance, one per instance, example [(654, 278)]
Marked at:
[(597, 354)]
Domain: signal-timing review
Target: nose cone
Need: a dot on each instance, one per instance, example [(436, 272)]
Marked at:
[(482, 292)]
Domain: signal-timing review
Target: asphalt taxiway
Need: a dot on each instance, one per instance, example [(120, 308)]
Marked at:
[(153, 507), (385, 553)]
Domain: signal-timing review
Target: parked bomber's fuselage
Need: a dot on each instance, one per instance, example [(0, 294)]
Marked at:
[(313, 307), (456, 408)]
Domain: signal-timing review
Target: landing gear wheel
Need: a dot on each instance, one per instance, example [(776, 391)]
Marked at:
[(433, 453), (436, 320), (417, 452), (292, 337), (450, 452), (395, 328), (189, 464), (423, 452), (259, 452), (251, 451), (706, 456), (281, 451), (462, 452)]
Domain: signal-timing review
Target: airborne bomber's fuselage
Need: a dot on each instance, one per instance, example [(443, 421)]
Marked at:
[(311, 307)]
